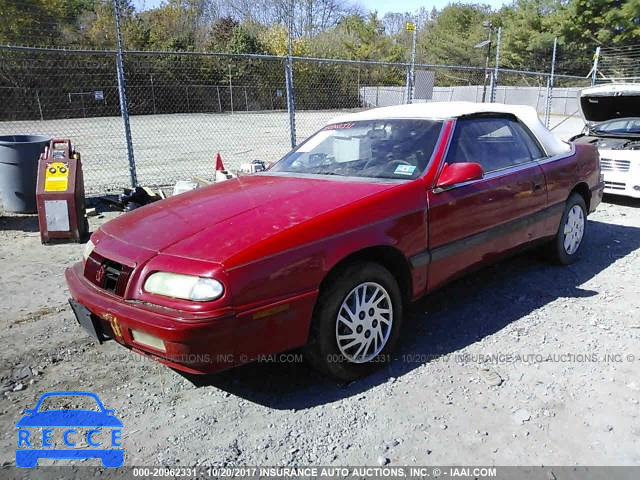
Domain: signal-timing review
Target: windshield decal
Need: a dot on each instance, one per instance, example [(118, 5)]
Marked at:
[(404, 170), (339, 126)]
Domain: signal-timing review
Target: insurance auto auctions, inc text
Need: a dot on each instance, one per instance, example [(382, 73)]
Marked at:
[(346, 472)]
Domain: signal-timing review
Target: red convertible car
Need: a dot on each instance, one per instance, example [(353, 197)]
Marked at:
[(326, 248)]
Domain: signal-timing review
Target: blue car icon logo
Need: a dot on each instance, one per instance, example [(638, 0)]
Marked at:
[(39, 429)]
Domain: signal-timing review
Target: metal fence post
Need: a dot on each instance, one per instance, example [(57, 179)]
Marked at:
[(288, 73), (594, 69), (407, 86), (547, 113), (122, 91), (230, 89), (153, 95), (494, 82), (412, 65), (39, 104), (486, 64)]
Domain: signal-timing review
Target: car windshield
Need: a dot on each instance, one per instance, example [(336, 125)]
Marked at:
[(619, 126), (394, 149)]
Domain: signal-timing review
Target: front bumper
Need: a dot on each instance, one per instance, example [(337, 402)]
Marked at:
[(617, 183), (196, 345), (621, 170)]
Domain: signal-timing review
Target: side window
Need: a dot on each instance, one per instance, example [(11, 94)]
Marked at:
[(493, 142), (532, 145)]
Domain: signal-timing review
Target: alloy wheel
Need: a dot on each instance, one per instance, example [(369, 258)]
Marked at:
[(573, 230), (364, 322)]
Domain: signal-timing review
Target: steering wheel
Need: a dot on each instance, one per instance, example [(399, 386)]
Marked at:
[(371, 161)]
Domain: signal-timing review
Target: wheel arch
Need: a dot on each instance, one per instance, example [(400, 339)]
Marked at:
[(385, 255), (583, 190)]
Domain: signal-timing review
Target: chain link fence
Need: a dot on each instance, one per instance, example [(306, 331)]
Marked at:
[(184, 108), (67, 96), (617, 64)]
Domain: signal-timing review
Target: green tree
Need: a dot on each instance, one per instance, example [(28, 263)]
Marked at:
[(100, 27), (453, 32), (31, 22), (364, 38), (603, 22), (229, 36), (529, 28)]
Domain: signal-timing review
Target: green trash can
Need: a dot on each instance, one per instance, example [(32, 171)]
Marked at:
[(19, 156)]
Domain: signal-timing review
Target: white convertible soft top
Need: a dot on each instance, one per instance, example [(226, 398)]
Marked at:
[(445, 110)]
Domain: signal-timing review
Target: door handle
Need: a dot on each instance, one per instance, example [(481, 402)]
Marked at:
[(536, 186)]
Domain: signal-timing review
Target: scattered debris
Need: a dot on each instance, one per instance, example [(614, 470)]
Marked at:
[(201, 181), (91, 212), (136, 198), (221, 173), (521, 416), (382, 461), (21, 372), (182, 186), (253, 167), (491, 377), (131, 199)]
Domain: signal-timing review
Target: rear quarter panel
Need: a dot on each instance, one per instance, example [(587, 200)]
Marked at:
[(564, 173)]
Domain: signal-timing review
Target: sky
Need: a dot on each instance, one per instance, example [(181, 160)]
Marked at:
[(382, 6)]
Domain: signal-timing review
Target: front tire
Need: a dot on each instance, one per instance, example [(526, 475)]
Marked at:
[(356, 321), (567, 245)]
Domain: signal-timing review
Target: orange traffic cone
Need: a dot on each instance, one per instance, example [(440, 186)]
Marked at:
[(219, 165)]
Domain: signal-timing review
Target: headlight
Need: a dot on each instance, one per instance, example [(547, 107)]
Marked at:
[(187, 287), (88, 248)]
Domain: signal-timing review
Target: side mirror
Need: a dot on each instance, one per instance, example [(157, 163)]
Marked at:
[(459, 172)]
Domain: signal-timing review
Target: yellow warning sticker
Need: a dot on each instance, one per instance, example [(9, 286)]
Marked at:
[(56, 178)]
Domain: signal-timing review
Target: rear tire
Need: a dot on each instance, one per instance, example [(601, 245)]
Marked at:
[(356, 322), (565, 248)]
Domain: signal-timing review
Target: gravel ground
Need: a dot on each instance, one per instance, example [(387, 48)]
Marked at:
[(507, 366)]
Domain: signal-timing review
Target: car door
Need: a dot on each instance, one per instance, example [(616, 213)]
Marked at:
[(477, 221)]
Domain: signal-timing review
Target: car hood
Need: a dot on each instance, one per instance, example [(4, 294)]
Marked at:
[(607, 102), (69, 418), (215, 222)]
